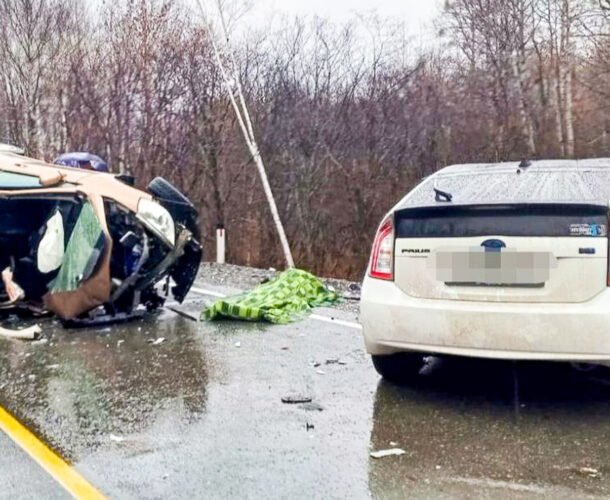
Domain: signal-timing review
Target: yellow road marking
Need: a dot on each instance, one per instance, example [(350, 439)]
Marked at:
[(59, 469)]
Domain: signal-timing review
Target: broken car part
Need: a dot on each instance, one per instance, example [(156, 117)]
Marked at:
[(89, 247), (30, 333), (387, 453)]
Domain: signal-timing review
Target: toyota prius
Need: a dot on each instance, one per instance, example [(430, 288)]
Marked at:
[(506, 261)]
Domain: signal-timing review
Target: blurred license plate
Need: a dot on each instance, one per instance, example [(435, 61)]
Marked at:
[(476, 266)]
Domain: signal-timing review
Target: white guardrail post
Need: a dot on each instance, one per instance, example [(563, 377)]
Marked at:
[(220, 243)]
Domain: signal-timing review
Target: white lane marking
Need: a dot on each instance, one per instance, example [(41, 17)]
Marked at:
[(349, 324), (201, 291), (493, 483), (341, 322)]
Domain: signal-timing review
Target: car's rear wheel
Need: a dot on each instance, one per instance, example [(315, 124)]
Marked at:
[(401, 368)]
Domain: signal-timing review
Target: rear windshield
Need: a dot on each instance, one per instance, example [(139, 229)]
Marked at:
[(544, 182), (11, 180), (509, 220)]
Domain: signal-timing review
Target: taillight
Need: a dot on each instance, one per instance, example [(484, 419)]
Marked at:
[(383, 252)]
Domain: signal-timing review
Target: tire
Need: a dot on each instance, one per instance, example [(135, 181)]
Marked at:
[(400, 368)]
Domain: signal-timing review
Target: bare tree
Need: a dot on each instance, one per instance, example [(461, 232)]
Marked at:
[(33, 36)]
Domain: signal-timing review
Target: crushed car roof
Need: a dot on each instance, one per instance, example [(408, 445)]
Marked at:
[(543, 181), (59, 179)]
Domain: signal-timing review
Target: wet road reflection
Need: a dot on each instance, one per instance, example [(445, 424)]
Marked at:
[(463, 432), (84, 385), (203, 411)]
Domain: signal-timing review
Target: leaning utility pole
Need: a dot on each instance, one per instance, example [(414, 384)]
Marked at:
[(236, 95)]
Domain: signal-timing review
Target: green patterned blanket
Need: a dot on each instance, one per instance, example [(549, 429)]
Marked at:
[(287, 297)]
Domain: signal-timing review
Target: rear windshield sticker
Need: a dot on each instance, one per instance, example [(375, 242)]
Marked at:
[(588, 230)]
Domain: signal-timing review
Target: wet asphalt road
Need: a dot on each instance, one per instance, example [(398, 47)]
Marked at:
[(200, 415)]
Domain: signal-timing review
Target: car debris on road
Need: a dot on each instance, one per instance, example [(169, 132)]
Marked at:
[(30, 333), (387, 453), (589, 472), (296, 399)]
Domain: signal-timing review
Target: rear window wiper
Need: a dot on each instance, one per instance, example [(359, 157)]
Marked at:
[(441, 195)]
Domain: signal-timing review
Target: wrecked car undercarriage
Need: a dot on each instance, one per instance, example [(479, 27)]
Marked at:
[(89, 247)]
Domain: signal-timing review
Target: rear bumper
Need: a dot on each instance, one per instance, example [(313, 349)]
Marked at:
[(393, 322)]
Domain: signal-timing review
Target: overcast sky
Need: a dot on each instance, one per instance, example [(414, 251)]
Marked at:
[(414, 12), (417, 14)]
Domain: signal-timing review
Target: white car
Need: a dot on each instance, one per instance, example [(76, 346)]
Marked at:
[(505, 261)]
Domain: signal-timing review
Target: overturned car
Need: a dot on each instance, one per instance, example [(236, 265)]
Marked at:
[(88, 246)]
